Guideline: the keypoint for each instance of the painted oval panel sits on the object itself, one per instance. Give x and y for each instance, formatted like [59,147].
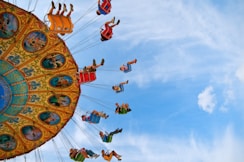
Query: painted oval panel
[34,41]
[31,133]
[8,25]
[61,81]
[7,142]
[50,118]
[59,100]
[53,61]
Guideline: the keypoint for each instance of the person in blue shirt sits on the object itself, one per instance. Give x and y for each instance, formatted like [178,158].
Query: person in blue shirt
[104,8]
[127,68]
[107,137]
[119,88]
[94,117]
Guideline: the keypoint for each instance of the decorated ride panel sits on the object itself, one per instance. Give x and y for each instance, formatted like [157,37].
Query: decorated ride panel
[38,84]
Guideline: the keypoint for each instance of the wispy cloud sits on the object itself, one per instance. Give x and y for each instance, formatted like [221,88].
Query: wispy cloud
[177,30]
[225,147]
[170,21]
[240,73]
[181,40]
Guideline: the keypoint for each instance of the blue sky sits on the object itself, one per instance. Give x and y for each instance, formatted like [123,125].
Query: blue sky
[186,90]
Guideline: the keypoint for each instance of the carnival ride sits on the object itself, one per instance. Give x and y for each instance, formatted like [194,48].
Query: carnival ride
[39,88]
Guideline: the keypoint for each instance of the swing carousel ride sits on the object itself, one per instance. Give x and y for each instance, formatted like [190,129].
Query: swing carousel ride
[39,89]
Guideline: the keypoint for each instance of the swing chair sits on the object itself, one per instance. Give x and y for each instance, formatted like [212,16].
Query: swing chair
[60,24]
[82,153]
[110,138]
[106,33]
[86,77]
[95,119]
[77,156]
[104,8]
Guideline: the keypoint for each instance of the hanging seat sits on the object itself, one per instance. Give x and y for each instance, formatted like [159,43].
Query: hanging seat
[78,157]
[107,33]
[106,6]
[86,77]
[95,119]
[60,24]
[110,137]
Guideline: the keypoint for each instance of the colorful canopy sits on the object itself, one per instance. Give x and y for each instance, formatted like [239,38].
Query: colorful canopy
[38,85]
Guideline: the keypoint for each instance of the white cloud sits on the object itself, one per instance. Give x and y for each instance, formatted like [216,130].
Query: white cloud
[178,28]
[229,96]
[224,147]
[240,73]
[207,100]
[170,21]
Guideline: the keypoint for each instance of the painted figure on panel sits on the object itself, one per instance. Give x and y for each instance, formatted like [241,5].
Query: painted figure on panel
[7,142]
[50,118]
[34,41]
[53,61]
[8,25]
[61,81]
[31,133]
[59,100]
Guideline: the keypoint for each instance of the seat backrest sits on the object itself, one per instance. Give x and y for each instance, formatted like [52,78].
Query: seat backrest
[121,88]
[60,24]
[107,33]
[106,6]
[79,157]
[94,118]
[86,77]
[110,137]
